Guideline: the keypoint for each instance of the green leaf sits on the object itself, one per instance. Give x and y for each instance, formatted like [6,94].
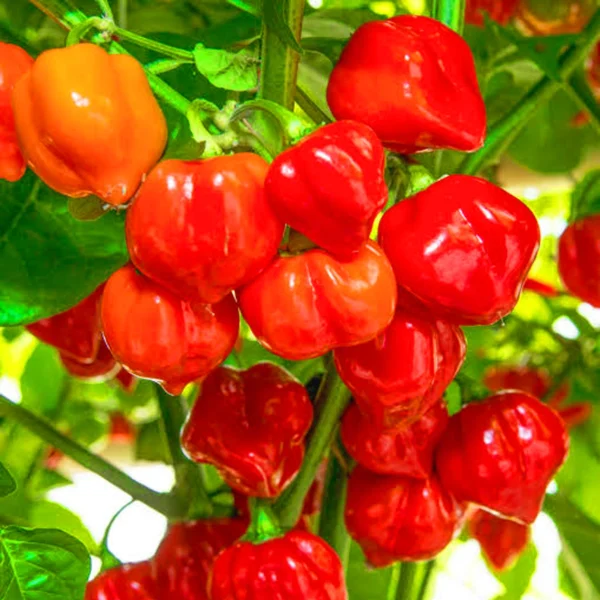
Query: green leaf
[50,261]
[7,483]
[43,380]
[313,76]
[40,564]
[150,443]
[237,71]
[516,580]
[366,583]
[272,12]
[580,538]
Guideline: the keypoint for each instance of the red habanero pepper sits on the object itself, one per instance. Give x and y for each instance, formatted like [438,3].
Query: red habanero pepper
[185,557]
[157,336]
[104,367]
[121,429]
[401,450]
[126,381]
[500,11]
[400,374]
[75,333]
[399,518]
[502,541]
[513,377]
[87,122]
[251,426]
[463,246]
[331,186]
[413,80]
[579,259]
[296,566]
[502,453]
[14,63]
[303,306]
[539,287]
[125,582]
[203,228]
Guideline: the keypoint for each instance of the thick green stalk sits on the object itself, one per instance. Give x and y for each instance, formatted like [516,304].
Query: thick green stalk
[506,129]
[426,578]
[409,580]
[450,12]
[279,62]
[331,402]
[188,479]
[331,522]
[162,503]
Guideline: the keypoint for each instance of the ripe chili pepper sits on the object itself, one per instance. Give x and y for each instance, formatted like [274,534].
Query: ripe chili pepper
[579,259]
[401,450]
[513,377]
[126,381]
[413,80]
[501,11]
[155,335]
[539,287]
[502,453]
[88,123]
[76,332]
[502,541]
[121,429]
[203,228]
[399,518]
[14,63]
[296,566]
[303,306]
[463,246]
[400,374]
[251,426]
[104,367]
[331,186]
[540,17]
[185,557]
[125,582]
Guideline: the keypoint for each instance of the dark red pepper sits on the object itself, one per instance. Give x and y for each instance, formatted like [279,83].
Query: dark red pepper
[502,453]
[185,557]
[399,518]
[203,228]
[251,426]
[513,377]
[14,63]
[501,11]
[296,566]
[400,374]
[413,80]
[579,259]
[463,246]
[121,429]
[401,450]
[76,332]
[303,306]
[155,335]
[126,582]
[330,186]
[104,367]
[502,541]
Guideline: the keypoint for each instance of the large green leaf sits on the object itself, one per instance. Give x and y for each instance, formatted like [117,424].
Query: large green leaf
[48,260]
[237,71]
[42,564]
[7,483]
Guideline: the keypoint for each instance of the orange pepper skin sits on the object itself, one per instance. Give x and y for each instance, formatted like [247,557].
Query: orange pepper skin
[14,63]
[87,122]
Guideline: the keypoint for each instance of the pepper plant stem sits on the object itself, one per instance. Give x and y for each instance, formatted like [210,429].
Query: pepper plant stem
[331,402]
[165,504]
[331,523]
[450,13]
[409,578]
[508,127]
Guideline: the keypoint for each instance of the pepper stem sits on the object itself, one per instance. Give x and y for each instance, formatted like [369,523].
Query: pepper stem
[263,524]
[450,13]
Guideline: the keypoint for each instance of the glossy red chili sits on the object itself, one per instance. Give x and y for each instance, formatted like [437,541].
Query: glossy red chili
[463,246]
[413,80]
[331,186]
[126,381]
[401,450]
[501,11]
[126,582]
[502,453]
[539,287]
[185,557]
[399,518]
[397,376]
[203,228]
[502,541]
[513,377]
[296,566]
[579,259]
[76,332]
[251,426]
[155,335]
[14,63]
[104,367]
[303,306]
